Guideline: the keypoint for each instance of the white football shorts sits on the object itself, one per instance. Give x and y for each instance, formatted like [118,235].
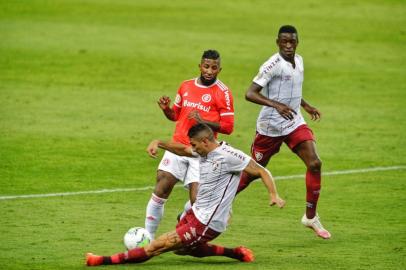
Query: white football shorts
[185,169]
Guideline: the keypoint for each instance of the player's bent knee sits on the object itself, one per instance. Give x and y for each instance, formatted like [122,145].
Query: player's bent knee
[315,165]
[164,185]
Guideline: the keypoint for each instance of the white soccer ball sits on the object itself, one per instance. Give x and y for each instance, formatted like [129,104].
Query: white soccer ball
[136,237]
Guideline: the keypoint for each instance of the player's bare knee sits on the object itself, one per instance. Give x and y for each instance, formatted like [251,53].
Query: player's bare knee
[315,165]
[164,185]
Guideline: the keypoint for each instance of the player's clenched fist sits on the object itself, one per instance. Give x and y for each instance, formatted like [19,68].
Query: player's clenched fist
[164,102]
[152,149]
[276,200]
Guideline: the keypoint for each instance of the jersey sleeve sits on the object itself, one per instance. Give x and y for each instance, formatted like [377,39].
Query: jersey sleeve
[177,105]
[237,160]
[225,107]
[267,71]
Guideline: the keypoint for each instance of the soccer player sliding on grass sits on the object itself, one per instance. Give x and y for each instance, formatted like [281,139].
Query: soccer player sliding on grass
[220,169]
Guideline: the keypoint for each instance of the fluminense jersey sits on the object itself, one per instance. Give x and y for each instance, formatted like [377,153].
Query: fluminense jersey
[213,102]
[220,174]
[283,83]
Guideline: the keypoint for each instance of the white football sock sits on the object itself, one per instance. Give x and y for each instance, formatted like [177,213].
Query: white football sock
[155,211]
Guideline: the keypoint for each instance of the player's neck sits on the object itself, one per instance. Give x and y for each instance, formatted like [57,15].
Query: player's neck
[202,81]
[210,148]
[213,146]
[289,59]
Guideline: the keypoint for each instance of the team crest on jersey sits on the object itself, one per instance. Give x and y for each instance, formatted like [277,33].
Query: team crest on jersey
[215,165]
[206,98]
[258,156]
[166,162]
[177,99]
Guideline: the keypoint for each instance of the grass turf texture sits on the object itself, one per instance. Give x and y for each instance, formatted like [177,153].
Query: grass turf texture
[79,84]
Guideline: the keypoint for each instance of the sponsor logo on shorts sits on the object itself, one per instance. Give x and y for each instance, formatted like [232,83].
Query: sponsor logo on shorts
[166,162]
[258,156]
[193,231]
[206,98]
[187,236]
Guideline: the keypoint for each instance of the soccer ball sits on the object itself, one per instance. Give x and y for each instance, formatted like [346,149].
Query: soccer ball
[136,237]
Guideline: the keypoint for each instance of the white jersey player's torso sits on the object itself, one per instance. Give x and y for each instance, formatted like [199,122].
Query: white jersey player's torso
[283,83]
[220,172]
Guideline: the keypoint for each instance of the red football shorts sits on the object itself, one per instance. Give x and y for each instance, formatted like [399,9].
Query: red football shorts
[193,232]
[264,147]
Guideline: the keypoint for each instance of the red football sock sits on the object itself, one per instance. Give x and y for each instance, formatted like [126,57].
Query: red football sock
[313,185]
[206,250]
[135,255]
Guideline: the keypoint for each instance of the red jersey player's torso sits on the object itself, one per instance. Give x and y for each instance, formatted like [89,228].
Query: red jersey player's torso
[209,101]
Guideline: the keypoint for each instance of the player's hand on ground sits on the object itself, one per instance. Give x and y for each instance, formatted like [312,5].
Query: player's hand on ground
[152,149]
[196,116]
[276,200]
[314,113]
[164,102]
[285,111]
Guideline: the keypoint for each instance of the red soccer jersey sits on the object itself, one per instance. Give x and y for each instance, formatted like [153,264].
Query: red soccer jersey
[214,103]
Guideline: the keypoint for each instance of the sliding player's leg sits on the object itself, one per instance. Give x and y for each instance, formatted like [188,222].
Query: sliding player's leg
[167,242]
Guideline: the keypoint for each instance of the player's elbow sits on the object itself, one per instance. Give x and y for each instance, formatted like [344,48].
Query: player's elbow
[227,129]
[249,96]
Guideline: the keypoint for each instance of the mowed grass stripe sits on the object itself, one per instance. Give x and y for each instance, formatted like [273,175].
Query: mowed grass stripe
[286,177]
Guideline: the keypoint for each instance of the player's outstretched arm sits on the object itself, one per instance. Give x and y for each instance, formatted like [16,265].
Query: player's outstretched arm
[314,113]
[176,148]
[253,168]
[253,94]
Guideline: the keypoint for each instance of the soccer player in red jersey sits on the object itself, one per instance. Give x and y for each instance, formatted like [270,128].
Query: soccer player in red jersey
[204,99]
[220,169]
[278,87]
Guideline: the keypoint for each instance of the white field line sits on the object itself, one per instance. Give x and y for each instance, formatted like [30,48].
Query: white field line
[286,177]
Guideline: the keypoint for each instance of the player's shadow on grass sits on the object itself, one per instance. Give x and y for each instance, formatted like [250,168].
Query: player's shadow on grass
[174,263]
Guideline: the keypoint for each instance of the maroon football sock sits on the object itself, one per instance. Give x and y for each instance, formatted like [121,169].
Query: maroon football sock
[313,180]
[245,180]
[206,250]
[135,255]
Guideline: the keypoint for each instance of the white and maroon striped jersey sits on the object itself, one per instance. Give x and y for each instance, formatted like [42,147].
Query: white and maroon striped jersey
[220,174]
[283,83]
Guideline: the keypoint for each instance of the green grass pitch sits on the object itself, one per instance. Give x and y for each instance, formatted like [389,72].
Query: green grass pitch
[79,82]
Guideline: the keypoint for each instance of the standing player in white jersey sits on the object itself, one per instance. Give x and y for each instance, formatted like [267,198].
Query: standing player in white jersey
[280,79]
[220,169]
[200,100]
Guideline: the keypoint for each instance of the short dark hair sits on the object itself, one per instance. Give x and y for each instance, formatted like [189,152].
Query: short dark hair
[211,54]
[197,130]
[287,29]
